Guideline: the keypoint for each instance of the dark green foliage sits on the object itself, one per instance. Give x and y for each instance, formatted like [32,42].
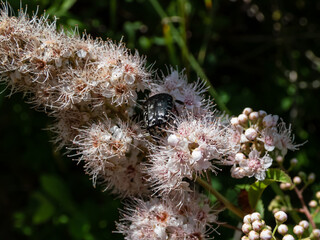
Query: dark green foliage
[44,195]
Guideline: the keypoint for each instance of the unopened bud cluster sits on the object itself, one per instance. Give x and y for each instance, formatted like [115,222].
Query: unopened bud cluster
[254,228]
[259,135]
[301,178]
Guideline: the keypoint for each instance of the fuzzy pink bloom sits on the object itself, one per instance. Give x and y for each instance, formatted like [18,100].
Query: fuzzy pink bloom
[109,152]
[286,139]
[161,219]
[191,149]
[255,165]
[269,136]
[80,81]
[189,95]
[64,72]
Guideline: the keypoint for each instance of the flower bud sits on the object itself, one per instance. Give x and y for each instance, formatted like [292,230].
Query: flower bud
[240,157]
[279,159]
[262,113]
[247,218]
[266,234]
[293,162]
[246,228]
[280,216]
[238,172]
[254,116]
[304,224]
[283,229]
[251,134]
[253,235]
[275,119]
[297,180]
[274,211]
[311,177]
[234,121]
[283,186]
[247,111]
[257,226]
[313,203]
[245,238]
[255,216]
[303,175]
[288,237]
[268,227]
[243,119]
[268,121]
[318,195]
[173,140]
[243,139]
[196,155]
[298,230]
[316,233]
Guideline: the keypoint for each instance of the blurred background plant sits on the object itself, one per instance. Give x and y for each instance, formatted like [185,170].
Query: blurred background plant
[262,54]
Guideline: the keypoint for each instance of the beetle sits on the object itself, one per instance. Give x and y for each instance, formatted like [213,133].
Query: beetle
[159,111]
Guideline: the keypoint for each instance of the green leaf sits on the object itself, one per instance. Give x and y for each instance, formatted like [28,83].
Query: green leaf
[243,186]
[316,218]
[56,188]
[257,188]
[260,208]
[44,211]
[79,226]
[277,175]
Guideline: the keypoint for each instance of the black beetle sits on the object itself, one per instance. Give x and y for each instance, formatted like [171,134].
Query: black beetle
[159,111]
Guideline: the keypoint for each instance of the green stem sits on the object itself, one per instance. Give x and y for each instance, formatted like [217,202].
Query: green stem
[274,231]
[221,198]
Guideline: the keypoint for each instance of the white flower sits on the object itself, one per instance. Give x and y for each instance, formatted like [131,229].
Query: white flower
[255,165]
[270,137]
[268,121]
[286,139]
[251,134]
[192,148]
[188,95]
[161,219]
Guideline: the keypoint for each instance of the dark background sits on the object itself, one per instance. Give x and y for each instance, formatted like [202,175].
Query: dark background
[262,54]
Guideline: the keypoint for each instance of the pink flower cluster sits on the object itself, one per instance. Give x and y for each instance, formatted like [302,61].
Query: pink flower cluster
[193,148]
[90,87]
[160,219]
[259,136]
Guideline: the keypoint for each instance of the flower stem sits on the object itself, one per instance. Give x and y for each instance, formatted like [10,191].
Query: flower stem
[221,198]
[304,207]
[274,231]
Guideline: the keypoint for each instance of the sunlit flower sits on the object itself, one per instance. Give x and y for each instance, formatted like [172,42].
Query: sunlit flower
[269,136]
[188,96]
[161,219]
[286,139]
[255,165]
[192,148]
